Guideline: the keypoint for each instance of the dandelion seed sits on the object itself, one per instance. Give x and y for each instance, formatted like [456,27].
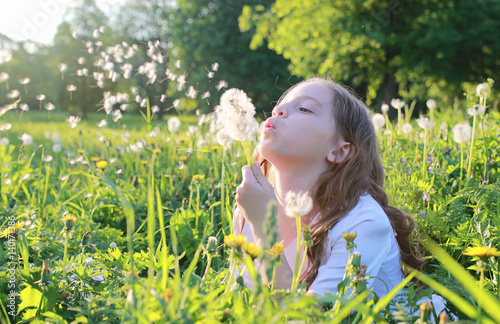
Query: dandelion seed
[397,103]
[163,98]
[177,64]
[117,115]
[4,127]
[50,106]
[192,93]
[73,121]
[181,82]
[215,66]
[176,103]
[24,107]
[431,104]
[102,123]
[299,203]
[221,84]
[210,75]
[205,95]
[62,67]
[173,124]
[13,94]
[4,77]
[47,158]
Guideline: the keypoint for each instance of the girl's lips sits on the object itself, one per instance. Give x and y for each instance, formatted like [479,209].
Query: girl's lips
[269,124]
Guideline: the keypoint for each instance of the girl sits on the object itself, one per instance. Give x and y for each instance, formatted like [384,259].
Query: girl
[320,139]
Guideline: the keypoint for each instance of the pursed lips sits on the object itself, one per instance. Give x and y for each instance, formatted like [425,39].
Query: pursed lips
[269,124]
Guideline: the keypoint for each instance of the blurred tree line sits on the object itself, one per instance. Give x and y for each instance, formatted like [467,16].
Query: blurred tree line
[179,56]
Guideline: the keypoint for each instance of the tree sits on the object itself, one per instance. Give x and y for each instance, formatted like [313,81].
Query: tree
[207,31]
[380,47]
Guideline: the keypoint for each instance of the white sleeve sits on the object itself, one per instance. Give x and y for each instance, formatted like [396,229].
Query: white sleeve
[373,242]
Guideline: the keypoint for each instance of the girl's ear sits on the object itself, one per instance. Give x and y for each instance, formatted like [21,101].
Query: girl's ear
[345,151]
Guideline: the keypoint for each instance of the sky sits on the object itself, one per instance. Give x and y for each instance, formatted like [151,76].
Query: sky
[36,20]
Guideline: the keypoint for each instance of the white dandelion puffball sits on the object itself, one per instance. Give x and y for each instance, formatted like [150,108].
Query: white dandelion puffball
[299,203]
[385,108]
[407,128]
[27,139]
[431,103]
[223,138]
[173,124]
[425,123]
[235,114]
[482,90]
[397,103]
[475,110]
[378,120]
[462,133]
[112,245]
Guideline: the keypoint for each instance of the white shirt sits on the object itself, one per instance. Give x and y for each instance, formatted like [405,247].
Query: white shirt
[375,241]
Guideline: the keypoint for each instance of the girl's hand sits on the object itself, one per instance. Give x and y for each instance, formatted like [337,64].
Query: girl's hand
[253,195]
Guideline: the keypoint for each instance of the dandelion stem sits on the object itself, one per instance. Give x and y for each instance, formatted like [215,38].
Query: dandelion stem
[297,258]
[274,277]
[209,262]
[303,260]
[246,150]
[469,168]
[461,162]
[424,156]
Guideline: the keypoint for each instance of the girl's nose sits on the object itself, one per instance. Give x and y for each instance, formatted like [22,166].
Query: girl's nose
[279,110]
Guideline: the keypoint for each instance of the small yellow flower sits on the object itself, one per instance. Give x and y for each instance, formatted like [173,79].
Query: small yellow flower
[144,162]
[101,164]
[8,231]
[184,139]
[80,151]
[156,151]
[482,251]
[215,148]
[349,236]
[183,158]
[276,250]
[235,240]
[251,249]
[69,217]
[197,177]
[95,159]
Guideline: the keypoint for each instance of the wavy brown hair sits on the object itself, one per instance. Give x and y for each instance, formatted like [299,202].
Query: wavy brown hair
[338,189]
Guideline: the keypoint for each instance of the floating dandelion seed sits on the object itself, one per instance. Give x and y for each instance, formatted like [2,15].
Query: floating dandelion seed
[71,88]
[40,98]
[4,127]
[50,106]
[57,147]
[117,115]
[397,103]
[297,203]
[81,60]
[210,75]
[173,124]
[73,121]
[181,82]
[14,93]
[24,82]
[221,84]
[47,158]
[155,109]
[205,95]
[177,64]
[62,67]
[215,66]
[163,98]
[176,103]
[102,123]
[192,93]
[3,78]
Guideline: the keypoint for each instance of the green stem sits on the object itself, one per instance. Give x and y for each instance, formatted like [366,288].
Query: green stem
[246,150]
[231,276]
[222,197]
[274,277]
[209,262]
[303,260]
[461,162]
[469,168]
[296,273]
[424,156]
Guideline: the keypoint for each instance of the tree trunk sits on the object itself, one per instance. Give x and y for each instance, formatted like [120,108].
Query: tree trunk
[389,91]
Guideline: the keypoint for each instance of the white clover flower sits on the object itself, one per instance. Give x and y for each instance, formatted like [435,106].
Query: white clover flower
[482,90]
[425,123]
[299,203]
[476,110]
[173,124]
[407,128]
[397,103]
[27,139]
[431,104]
[462,133]
[385,108]
[378,120]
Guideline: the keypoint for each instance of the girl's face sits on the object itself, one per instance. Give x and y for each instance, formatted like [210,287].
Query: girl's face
[301,128]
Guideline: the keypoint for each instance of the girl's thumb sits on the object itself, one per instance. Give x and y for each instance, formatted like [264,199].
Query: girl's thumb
[257,172]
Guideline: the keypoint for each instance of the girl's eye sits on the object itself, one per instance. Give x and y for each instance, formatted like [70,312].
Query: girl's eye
[304,109]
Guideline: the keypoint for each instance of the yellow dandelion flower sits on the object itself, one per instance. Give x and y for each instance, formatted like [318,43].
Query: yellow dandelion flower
[183,158]
[144,162]
[12,230]
[251,249]
[215,148]
[101,164]
[276,250]
[184,139]
[80,151]
[197,177]
[95,159]
[482,251]
[235,240]
[156,151]
[349,236]
[69,217]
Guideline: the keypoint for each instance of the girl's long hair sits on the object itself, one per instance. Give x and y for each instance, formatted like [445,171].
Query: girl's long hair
[338,189]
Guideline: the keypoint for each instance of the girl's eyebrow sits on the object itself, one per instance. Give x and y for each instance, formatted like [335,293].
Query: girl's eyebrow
[318,104]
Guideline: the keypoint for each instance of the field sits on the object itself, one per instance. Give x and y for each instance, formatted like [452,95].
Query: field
[112,224]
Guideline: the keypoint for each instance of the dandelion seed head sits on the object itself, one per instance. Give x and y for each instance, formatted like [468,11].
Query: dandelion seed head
[385,108]
[483,90]
[173,124]
[378,120]
[462,133]
[425,123]
[407,128]
[431,104]
[476,110]
[297,203]
[27,139]
[397,103]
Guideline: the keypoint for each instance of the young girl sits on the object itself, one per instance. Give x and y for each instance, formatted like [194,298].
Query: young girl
[320,139]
